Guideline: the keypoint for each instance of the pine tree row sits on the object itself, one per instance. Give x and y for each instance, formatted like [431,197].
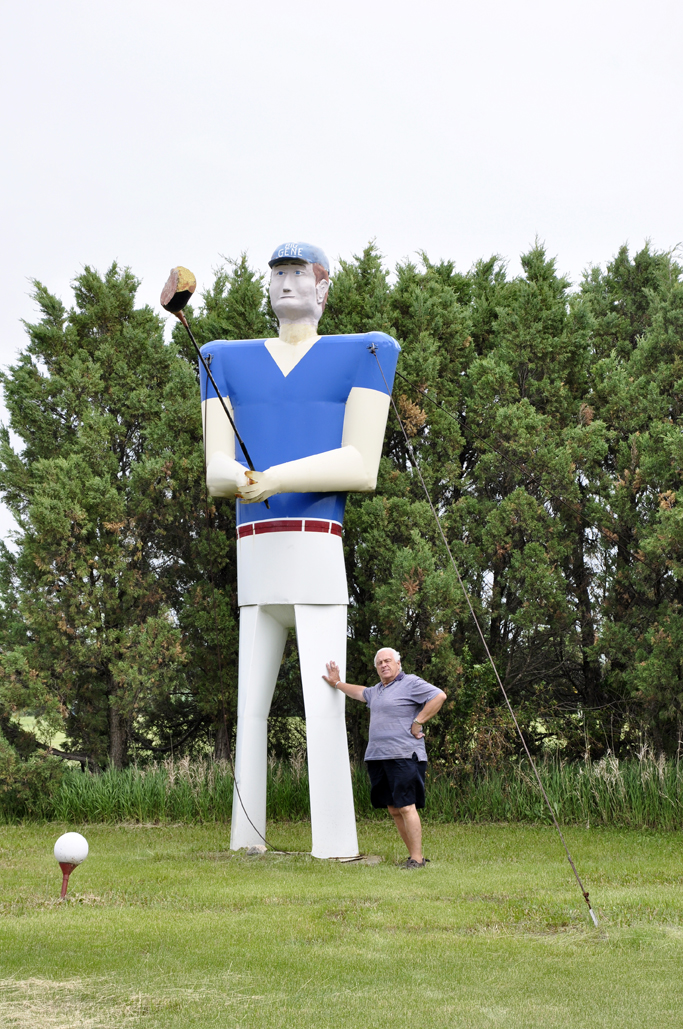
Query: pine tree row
[545,419]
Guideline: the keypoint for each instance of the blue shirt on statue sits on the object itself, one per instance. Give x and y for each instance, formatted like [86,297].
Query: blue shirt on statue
[283,418]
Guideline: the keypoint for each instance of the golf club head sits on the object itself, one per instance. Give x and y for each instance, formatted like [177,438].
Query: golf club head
[179,288]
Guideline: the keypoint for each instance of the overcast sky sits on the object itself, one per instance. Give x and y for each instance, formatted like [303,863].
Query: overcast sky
[161,133]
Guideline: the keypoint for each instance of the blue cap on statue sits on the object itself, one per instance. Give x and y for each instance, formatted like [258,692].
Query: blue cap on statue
[299,252]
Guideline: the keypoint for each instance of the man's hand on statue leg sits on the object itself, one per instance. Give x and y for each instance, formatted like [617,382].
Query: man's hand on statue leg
[334,679]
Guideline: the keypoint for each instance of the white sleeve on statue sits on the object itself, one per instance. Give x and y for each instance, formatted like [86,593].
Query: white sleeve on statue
[365,422]
[224,475]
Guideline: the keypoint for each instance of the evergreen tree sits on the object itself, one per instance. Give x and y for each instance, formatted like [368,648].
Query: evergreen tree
[636,380]
[545,423]
[107,417]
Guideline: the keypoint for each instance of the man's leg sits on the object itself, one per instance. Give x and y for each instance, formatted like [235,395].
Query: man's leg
[399,823]
[262,642]
[321,637]
[408,823]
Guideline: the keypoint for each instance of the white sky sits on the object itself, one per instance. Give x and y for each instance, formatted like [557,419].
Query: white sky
[161,133]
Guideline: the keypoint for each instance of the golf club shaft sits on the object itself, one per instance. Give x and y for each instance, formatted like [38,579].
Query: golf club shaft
[181,316]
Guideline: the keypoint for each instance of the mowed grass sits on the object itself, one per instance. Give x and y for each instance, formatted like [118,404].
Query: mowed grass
[167,928]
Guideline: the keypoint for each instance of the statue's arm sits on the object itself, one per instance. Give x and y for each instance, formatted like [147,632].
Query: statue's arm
[365,422]
[224,475]
[352,467]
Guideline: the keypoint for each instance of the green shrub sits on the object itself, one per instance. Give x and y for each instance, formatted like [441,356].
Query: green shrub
[28,788]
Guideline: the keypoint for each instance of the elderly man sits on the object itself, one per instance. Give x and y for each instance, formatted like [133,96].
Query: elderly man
[312,409]
[396,757]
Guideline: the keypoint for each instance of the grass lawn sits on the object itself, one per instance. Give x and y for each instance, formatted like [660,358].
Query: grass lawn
[28,722]
[167,928]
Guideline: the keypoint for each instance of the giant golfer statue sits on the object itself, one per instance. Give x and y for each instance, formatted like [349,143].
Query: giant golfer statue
[312,411]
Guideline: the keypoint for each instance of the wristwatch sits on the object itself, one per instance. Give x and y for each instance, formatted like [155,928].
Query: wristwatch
[415,722]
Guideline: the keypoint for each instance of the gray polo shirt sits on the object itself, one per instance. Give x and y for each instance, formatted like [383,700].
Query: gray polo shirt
[392,710]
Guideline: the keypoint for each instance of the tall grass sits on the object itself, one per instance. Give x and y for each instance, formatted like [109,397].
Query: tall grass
[174,791]
[643,792]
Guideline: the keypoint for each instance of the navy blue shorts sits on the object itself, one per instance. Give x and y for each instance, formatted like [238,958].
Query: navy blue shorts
[398,781]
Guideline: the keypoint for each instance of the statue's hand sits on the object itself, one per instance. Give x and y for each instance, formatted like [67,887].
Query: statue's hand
[225,476]
[259,486]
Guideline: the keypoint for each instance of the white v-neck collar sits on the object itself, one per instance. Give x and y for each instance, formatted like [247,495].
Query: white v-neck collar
[288,355]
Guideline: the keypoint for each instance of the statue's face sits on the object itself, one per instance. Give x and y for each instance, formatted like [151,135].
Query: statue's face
[294,294]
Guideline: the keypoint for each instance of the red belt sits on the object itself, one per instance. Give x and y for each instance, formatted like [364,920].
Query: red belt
[289,525]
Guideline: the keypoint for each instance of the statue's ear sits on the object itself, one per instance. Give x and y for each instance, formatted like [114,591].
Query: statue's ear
[321,289]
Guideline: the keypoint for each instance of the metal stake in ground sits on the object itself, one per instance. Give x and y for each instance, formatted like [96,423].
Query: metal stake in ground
[71,850]
[175,295]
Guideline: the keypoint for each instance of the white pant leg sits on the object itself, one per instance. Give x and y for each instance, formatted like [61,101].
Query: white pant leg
[321,637]
[262,643]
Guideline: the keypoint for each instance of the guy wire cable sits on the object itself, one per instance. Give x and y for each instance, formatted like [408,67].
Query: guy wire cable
[609,534]
[373,350]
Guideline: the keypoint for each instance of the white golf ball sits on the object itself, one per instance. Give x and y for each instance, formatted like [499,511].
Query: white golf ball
[71,847]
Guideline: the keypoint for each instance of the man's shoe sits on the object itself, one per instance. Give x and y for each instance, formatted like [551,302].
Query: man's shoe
[412,863]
